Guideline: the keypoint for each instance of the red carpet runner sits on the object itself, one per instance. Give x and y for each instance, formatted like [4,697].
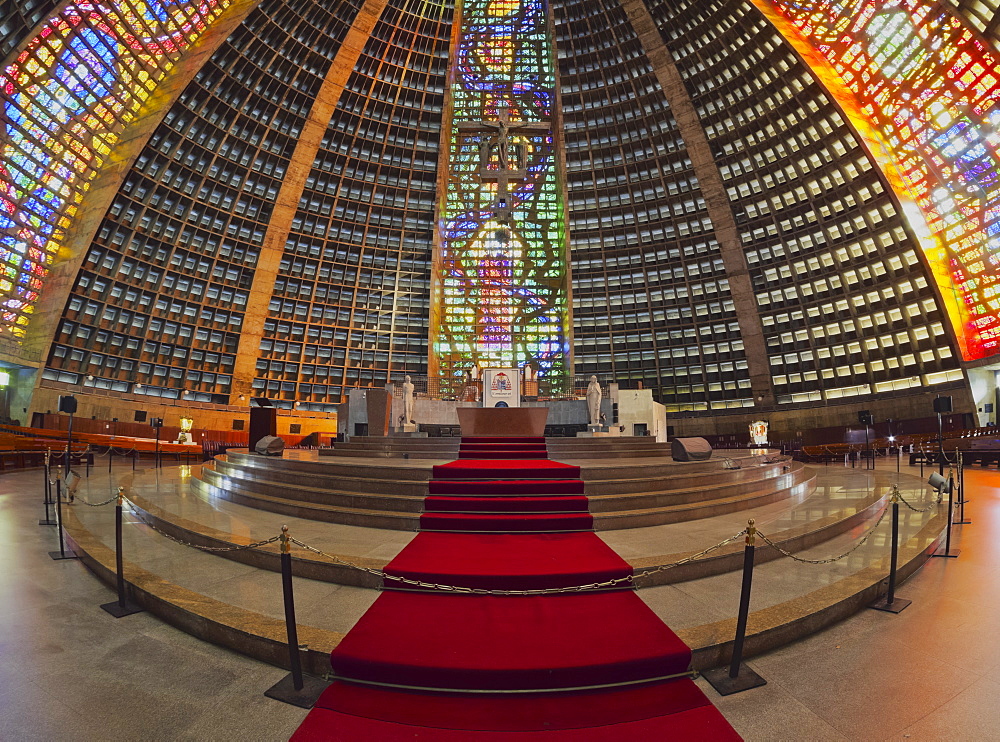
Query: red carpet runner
[430,665]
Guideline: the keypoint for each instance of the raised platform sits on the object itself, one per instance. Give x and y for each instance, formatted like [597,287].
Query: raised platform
[236,602]
[389,492]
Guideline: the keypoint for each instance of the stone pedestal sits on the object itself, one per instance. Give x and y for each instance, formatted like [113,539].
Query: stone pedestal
[407,428]
[597,429]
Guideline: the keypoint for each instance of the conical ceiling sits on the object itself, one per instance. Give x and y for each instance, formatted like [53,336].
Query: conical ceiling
[733,240]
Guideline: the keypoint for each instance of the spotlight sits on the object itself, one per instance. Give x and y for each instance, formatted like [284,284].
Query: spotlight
[939,483]
[892,439]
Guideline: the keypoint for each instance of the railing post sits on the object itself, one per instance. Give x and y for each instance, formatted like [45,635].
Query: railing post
[738,677]
[295,688]
[123,606]
[889,602]
[61,554]
[948,551]
[49,521]
[961,491]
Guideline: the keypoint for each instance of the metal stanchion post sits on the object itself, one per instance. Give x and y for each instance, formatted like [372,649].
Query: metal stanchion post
[49,521]
[948,551]
[890,603]
[295,688]
[133,459]
[738,677]
[61,554]
[111,455]
[123,606]
[961,491]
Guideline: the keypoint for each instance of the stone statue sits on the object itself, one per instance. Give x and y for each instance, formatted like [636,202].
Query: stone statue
[407,400]
[594,401]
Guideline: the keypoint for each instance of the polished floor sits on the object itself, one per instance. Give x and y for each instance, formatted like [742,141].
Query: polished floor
[71,671]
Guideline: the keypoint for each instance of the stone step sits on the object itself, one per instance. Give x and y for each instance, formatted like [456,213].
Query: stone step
[355,516]
[246,484]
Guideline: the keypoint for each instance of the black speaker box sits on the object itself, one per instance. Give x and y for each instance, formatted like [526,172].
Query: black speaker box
[865,417]
[67,403]
[941,404]
[690,449]
[269,445]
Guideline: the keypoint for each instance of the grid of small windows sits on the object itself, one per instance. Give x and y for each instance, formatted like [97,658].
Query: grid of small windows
[351,301]
[160,298]
[982,15]
[844,300]
[18,18]
[68,96]
[651,301]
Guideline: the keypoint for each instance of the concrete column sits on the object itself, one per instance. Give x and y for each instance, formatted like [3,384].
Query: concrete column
[292,186]
[716,201]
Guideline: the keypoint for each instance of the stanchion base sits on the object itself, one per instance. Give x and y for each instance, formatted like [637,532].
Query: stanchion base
[950,555]
[895,606]
[48,522]
[68,555]
[726,686]
[117,610]
[284,690]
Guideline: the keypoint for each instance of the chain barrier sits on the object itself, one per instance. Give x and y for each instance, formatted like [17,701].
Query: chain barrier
[614,582]
[138,513]
[850,551]
[90,504]
[915,510]
[94,450]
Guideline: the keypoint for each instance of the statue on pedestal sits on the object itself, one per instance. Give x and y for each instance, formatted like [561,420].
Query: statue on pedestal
[407,401]
[594,401]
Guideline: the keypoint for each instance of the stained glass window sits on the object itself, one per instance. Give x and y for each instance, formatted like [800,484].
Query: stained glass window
[500,296]
[929,88]
[66,99]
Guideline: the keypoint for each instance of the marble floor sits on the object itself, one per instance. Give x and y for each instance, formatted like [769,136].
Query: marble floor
[71,671]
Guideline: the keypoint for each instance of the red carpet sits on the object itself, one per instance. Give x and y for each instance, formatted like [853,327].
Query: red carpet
[498,504]
[509,469]
[353,713]
[541,560]
[434,665]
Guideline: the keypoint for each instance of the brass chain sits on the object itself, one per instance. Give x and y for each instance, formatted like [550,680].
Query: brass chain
[614,582]
[915,510]
[90,504]
[110,449]
[138,514]
[850,551]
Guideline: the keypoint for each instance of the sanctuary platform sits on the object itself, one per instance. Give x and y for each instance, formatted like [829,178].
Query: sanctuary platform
[652,520]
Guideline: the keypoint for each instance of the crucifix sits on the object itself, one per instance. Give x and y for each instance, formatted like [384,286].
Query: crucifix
[500,158]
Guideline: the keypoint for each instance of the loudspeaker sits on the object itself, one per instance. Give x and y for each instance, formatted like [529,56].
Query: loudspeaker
[941,404]
[865,417]
[270,445]
[156,422]
[690,449]
[67,403]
